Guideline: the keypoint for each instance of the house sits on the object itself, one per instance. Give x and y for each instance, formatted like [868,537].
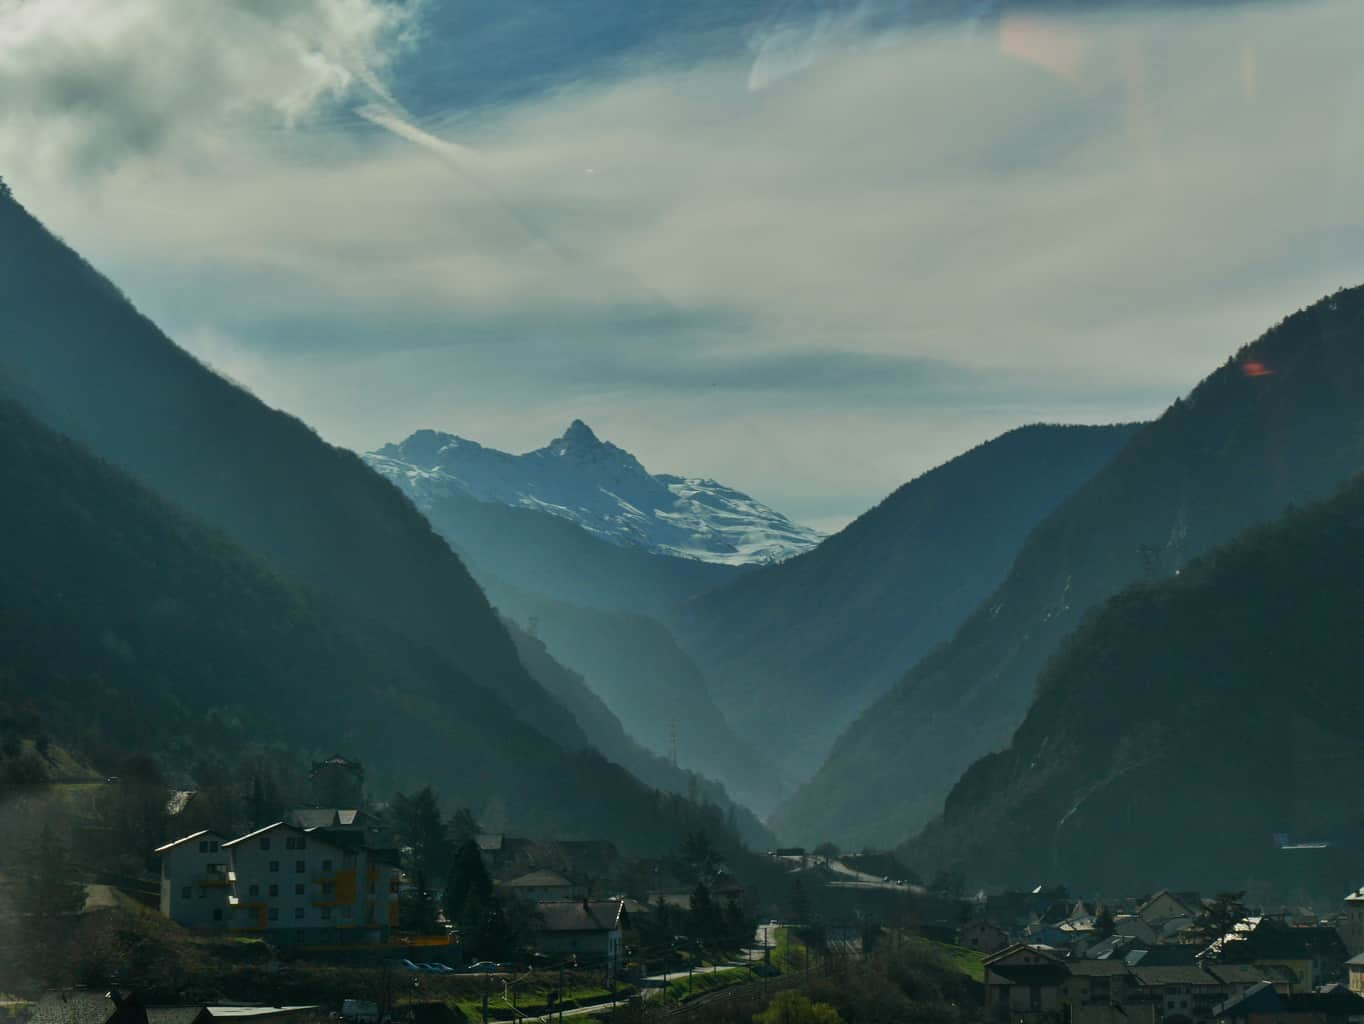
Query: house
[195,882]
[1166,906]
[544,885]
[1023,983]
[1264,1004]
[586,932]
[300,885]
[1179,992]
[1102,992]
[1352,928]
[1312,955]
[1354,968]
[983,937]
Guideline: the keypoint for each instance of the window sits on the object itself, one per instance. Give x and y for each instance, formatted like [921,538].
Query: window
[298,889]
[265,842]
[346,911]
[328,888]
[302,843]
[213,846]
[326,865]
[326,913]
[217,913]
[274,890]
[186,892]
[300,866]
[274,865]
[298,913]
[254,890]
[203,893]
[274,914]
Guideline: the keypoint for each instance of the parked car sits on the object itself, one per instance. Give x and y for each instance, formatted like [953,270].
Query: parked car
[482,967]
[440,968]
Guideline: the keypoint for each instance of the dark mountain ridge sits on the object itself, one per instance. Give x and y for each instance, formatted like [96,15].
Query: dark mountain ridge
[1282,421]
[823,634]
[94,368]
[134,628]
[1217,706]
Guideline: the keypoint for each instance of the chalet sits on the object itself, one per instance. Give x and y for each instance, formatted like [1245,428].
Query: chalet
[1166,907]
[1023,984]
[586,932]
[1264,1004]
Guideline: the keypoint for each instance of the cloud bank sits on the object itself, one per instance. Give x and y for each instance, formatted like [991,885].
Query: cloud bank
[813,290]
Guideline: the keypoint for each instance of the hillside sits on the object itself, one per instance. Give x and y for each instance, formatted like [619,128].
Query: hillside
[649,683]
[1215,709]
[822,635]
[127,626]
[1280,422]
[610,738]
[91,366]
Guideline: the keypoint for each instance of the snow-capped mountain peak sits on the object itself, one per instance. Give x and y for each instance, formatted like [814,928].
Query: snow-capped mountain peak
[602,488]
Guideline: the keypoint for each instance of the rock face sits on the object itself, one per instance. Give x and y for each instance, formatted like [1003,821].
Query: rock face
[601,488]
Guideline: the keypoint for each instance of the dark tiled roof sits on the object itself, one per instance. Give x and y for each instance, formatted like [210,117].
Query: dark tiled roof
[78,1007]
[1097,968]
[1174,974]
[540,880]
[1031,974]
[581,915]
[1242,974]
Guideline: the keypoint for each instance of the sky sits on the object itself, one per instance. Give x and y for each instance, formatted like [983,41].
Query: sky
[811,263]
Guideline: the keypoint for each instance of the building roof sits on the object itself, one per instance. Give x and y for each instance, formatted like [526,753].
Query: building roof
[189,839]
[1173,974]
[582,915]
[1188,900]
[71,1007]
[1356,961]
[324,817]
[1097,968]
[312,833]
[540,880]
[1259,998]
[1031,974]
[1242,974]
[252,1012]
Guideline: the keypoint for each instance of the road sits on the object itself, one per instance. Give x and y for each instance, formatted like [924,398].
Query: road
[653,985]
[861,880]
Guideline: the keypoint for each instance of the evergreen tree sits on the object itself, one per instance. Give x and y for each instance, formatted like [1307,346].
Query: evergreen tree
[468,884]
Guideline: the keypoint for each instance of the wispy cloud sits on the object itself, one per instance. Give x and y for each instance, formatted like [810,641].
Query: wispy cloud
[817,287]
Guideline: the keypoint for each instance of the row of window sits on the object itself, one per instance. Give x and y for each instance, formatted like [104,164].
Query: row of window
[328,889]
[300,866]
[273,913]
[290,843]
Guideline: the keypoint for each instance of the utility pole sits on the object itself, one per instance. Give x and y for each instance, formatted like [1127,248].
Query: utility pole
[561,992]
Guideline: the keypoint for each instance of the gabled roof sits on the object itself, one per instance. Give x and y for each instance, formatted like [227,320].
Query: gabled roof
[189,839]
[1173,974]
[1097,968]
[281,825]
[1259,998]
[1243,974]
[581,915]
[1356,961]
[1020,947]
[540,880]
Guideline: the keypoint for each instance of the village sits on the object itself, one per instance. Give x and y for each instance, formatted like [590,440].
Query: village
[346,909]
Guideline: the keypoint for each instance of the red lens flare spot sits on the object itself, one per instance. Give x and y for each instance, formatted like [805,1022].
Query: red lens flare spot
[1256,369]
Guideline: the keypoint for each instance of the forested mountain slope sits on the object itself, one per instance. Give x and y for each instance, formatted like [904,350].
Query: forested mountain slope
[131,627]
[660,696]
[545,554]
[822,635]
[610,738]
[93,367]
[1187,723]
[1280,422]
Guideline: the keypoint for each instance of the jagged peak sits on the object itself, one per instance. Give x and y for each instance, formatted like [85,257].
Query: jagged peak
[578,435]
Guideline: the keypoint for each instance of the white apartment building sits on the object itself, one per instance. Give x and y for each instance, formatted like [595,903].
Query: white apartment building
[299,886]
